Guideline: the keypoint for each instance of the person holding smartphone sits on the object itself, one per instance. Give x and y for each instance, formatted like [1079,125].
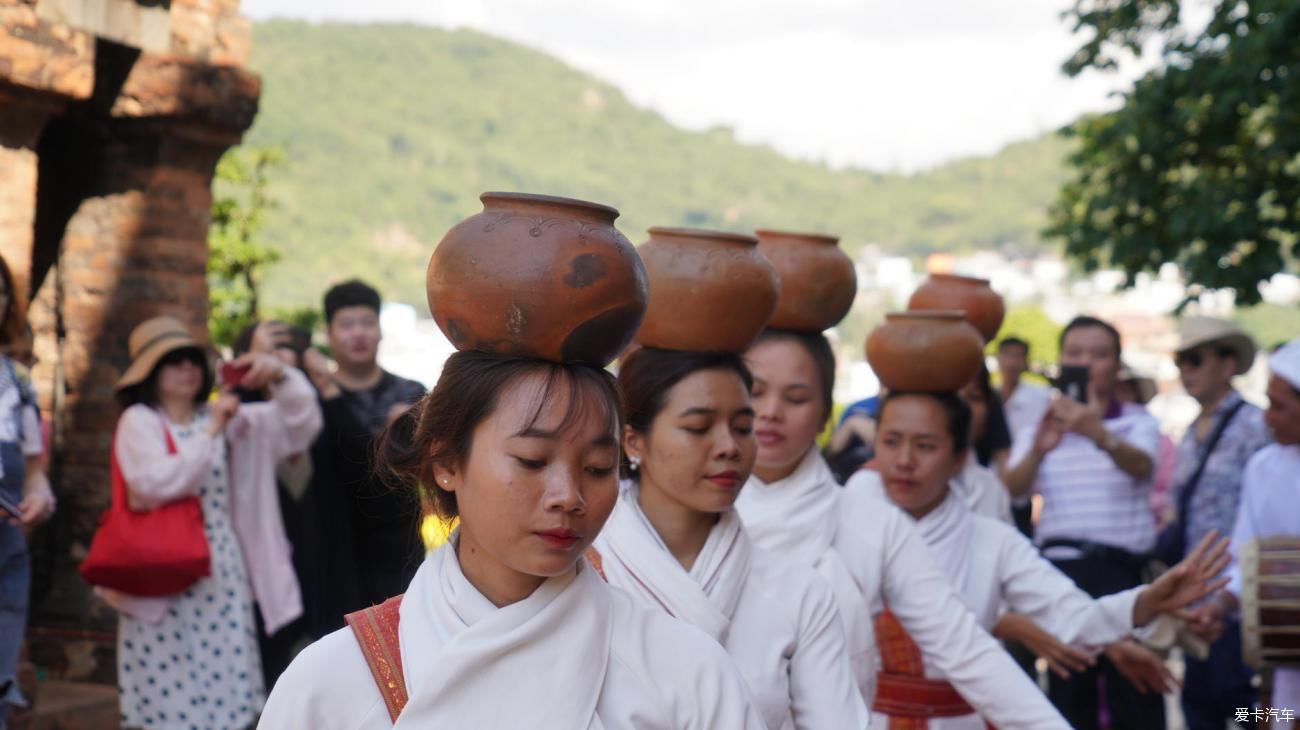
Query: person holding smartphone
[1091,458]
[25,496]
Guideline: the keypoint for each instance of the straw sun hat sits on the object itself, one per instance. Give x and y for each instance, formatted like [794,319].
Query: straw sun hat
[150,342]
[1194,332]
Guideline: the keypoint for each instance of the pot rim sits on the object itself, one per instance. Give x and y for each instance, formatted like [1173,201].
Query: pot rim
[704,234]
[591,206]
[942,314]
[960,277]
[806,236]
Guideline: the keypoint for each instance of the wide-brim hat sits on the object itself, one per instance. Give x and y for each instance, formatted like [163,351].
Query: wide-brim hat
[150,342]
[1195,331]
[1144,386]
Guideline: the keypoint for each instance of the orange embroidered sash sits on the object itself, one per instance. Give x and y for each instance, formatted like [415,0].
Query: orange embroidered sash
[902,690]
[376,631]
[593,557]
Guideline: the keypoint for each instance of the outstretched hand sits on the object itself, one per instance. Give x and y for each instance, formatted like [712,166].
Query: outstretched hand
[1192,579]
[1141,667]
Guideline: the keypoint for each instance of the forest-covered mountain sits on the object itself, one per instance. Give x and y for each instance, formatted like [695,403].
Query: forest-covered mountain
[390,132]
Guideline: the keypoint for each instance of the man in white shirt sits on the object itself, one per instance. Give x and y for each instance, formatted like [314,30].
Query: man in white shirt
[1092,463]
[1023,404]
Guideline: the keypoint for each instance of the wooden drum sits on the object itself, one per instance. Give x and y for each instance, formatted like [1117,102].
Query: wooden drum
[1270,602]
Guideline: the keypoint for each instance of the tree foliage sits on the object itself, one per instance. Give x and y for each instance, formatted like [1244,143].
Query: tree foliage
[1201,163]
[1030,323]
[238,257]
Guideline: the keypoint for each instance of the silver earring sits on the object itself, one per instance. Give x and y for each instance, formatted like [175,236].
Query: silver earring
[634,462]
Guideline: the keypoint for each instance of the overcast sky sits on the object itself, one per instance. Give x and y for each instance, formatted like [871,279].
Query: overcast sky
[883,84]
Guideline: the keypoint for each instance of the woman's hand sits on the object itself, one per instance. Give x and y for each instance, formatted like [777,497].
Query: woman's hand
[1141,667]
[1189,581]
[221,411]
[1061,658]
[268,336]
[37,506]
[263,369]
[319,369]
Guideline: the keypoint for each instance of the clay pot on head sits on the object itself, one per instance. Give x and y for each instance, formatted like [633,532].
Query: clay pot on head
[709,291]
[818,281]
[538,276]
[925,351]
[983,307]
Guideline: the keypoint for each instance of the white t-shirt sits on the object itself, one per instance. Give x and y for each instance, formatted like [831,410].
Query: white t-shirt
[1026,406]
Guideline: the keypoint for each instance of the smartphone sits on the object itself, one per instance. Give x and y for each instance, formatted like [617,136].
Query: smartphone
[1073,382]
[232,374]
[10,508]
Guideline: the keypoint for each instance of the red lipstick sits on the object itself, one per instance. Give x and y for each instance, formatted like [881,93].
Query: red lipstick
[562,539]
[726,479]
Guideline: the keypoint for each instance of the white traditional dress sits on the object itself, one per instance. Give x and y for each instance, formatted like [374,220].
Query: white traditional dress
[575,654]
[996,569]
[891,567]
[980,488]
[776,618]
[1270,507]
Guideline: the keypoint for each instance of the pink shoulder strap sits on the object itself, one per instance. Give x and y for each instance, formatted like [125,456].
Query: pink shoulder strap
[376,631]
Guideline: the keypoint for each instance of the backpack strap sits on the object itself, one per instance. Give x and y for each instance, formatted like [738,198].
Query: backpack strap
[375,629]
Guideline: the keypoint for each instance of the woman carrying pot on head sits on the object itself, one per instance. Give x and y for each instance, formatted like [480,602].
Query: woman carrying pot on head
[25,490]
[506,625]
[924,437]
[191,659]
[674,541]
[866,547]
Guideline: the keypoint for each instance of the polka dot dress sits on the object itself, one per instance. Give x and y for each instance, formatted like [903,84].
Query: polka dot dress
[199,667]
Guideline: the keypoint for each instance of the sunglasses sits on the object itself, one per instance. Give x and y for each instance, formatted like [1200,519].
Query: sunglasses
[1195,358]
[176,357]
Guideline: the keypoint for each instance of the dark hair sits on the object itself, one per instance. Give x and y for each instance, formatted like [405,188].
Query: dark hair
[1013,342]
[1084,321]
[11,327]
[299,339]
[997,432]
[815,344]
[352,293]
[146,391]
[439,429]
[955,409]
[646,376]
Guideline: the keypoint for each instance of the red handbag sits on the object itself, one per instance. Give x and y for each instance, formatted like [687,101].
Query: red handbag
[155,552]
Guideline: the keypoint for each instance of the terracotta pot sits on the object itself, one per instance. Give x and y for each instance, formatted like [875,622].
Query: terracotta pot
[818,281]
[709,291]
[983,306]
[926,351]
[538,276]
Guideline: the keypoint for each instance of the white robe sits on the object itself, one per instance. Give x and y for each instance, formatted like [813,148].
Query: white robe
[574,654]
[995,569]
[981,490]
[891,566]
[776,618]
[1270,491]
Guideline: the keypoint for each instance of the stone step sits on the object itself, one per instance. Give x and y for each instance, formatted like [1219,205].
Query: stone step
[64,705]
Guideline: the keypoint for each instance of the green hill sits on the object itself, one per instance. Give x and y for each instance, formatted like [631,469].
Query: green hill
[392,131]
